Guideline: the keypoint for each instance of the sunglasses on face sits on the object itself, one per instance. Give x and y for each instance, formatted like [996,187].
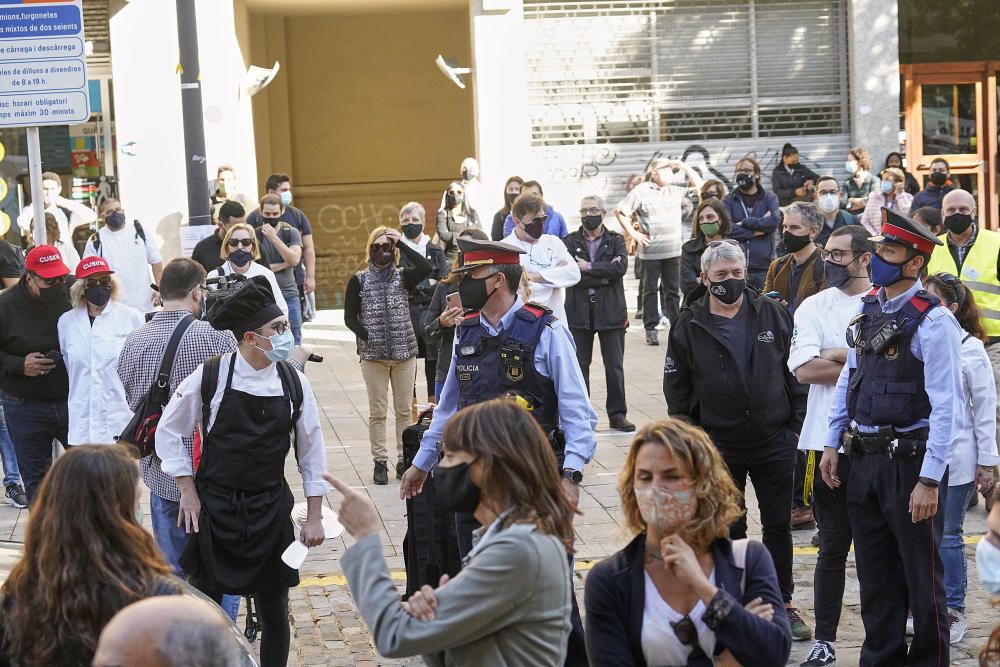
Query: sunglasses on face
[49,282]
[381,247]
[106,282]
[235,243]
[540,220]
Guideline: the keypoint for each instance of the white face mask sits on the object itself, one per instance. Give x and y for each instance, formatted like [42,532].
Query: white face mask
[829,203]
[988,563]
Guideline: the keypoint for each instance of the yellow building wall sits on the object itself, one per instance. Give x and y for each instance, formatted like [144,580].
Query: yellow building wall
[362,120]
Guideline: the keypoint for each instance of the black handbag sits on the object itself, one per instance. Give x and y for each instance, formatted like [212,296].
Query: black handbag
[141,430]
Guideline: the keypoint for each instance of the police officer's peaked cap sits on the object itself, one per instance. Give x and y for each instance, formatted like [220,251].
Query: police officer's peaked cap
[901,230]
[249,307]
[476,253]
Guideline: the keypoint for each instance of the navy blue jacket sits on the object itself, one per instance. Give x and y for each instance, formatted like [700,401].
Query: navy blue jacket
[754,213]
[932,195]
[614,598]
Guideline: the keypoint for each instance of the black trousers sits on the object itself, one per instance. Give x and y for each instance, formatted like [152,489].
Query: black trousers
[798,489]
[830,509]
[613,353]
[770,469]
[275,634]
[898,564]
[655,272]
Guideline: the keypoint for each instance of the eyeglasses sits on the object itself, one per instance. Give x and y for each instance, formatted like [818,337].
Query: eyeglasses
[235,243]
[381,247]
[539,220]
[540,257]
[106,282]
[838,256]
[411,221]
[278,327]
[593,210]
[687,634]
[745,171]
[716,244]
[49,282]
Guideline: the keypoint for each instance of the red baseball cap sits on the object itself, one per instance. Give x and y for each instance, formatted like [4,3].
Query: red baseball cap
[46,262]
[88,266]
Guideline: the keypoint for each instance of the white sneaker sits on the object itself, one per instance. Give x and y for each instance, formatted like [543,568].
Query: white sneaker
[663,325]
[909,624]
[957,626]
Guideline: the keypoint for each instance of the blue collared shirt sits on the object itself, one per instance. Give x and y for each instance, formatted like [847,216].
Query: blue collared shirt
[939,332]
[555,358]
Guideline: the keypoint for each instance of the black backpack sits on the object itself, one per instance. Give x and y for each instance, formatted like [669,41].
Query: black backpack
[210,382]
[141,430]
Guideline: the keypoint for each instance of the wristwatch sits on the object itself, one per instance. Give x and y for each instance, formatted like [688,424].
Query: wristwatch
[574,476]
[927,481]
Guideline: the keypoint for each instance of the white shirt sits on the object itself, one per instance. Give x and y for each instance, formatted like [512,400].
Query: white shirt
[129,258]
[548,257]
[976,443]
[80,214]
[254,270]
[660,645]
[820,324]
[183,413]
[69,254]
[98,410]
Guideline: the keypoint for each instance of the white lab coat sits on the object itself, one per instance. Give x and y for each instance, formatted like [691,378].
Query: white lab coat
[98,410]
[549,258]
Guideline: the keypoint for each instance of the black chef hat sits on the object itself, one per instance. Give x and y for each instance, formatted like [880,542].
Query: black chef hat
[250,307]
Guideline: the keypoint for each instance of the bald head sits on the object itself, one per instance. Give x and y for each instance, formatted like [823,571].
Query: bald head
[167,631]
[958,201]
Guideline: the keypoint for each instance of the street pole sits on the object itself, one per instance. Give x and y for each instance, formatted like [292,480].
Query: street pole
[35,177]
[199,204]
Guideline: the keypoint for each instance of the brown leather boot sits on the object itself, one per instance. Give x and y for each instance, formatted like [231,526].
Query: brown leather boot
[802,519]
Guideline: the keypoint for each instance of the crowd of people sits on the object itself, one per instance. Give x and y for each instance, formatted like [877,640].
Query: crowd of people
[837,341]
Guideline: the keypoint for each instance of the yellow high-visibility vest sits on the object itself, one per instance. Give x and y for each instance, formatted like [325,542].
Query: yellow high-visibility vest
[979,274]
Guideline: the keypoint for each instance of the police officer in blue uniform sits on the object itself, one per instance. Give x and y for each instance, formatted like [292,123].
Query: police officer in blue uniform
[506,348]
[899,403]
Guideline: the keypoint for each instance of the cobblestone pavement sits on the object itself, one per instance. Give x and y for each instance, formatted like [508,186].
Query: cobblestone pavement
[328,629]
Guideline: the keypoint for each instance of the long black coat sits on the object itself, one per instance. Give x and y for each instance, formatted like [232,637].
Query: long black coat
[605,276]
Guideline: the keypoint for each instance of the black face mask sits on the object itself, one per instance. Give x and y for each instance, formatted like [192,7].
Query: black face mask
[510,197]
[535,229]
[99,295]
[938,178]
[380,257]
[455,489]
[413,231]
[837,275]
[52,295]
[745,181]
[240,258]
[472,292]
[115,220]
[727,291]
[592,222]
[793,242]
[957,223]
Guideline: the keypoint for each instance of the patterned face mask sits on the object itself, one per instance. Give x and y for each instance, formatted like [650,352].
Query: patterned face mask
[665,509]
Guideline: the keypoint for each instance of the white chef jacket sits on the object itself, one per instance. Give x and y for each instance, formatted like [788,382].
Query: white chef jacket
[98,410]
[549,257]
[254,270]
[183,413]
[976,443]
[129,258]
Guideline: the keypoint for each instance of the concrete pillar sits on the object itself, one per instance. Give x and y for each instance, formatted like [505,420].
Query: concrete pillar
[500,90]
[873,57]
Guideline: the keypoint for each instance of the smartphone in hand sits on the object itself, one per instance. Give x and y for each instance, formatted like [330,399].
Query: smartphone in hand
[453,300]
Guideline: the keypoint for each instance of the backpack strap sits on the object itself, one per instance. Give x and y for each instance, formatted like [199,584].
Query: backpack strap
[293,389]
[209,384]
[95,240]
[140,233]
[167,363]
[740,560]
[818,274]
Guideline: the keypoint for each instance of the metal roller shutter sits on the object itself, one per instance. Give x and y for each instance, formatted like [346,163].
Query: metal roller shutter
[97,30]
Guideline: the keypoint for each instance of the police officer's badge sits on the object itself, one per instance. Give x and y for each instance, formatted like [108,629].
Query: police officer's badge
[513,365]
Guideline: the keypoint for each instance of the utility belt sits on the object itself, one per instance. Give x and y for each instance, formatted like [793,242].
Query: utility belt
[887,442]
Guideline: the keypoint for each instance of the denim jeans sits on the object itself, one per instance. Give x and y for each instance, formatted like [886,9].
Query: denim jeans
[33,425]
[11,473]
[295,316]
[172,539]
[952,547]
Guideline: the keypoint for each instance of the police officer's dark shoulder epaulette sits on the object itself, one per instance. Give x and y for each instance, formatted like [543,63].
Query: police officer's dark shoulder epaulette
[539,311]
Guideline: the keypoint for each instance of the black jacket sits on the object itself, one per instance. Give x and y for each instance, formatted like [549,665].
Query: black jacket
[701,381]
[691,253]
[29,325]
[605,277]
[615,595]
[436,336]
[784,184]
[422,293]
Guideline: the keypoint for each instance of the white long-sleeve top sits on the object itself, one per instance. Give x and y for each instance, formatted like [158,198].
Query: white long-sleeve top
[976,443]
[549,258]
[183,413]
[98,410]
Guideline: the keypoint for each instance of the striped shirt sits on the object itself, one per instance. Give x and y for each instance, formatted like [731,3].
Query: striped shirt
[658,212]
[139,362]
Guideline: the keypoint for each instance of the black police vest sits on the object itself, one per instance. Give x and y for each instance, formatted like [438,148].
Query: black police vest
[887,388]
[489,367]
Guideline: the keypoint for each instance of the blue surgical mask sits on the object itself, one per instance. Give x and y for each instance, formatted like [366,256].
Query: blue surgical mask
[850,167]
[281,346]
[988,563]
[888,186]
[286,197]
[885,273]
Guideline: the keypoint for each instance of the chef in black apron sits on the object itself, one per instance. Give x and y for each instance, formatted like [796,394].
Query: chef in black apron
[239,503]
